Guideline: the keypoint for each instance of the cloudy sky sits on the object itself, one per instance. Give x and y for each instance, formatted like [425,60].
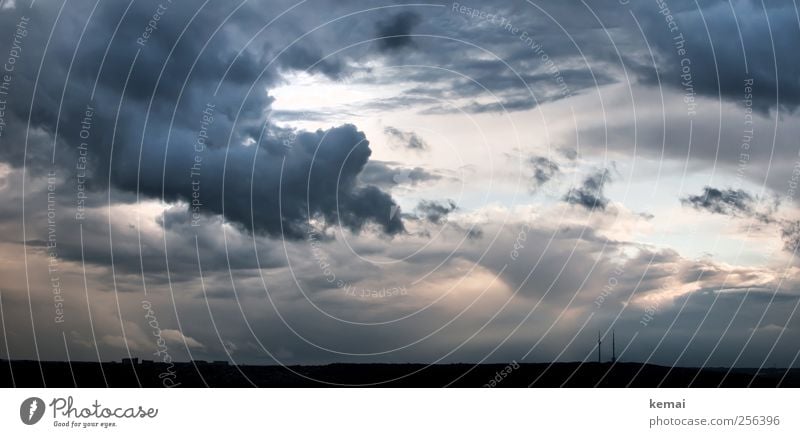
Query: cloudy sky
[378,181]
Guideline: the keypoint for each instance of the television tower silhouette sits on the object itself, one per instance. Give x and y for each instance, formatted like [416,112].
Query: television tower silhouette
[599,348]
[613,347]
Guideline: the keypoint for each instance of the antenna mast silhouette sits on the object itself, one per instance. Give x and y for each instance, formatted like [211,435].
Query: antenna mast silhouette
[599,348]
[613,347]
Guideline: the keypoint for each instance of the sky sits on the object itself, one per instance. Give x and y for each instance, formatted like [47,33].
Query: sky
[281,182]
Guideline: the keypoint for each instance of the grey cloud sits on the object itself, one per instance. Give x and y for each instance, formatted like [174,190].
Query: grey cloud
[570,154]
[725,201]
[480,108]
[305,115]
[590,194]
[512,91]
[434,211]
[389,174]
[739,203]
[408,140]
[791,236]
[544,169]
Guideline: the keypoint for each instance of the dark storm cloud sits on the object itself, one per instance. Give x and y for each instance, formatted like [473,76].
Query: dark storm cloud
[544,169]
[756,43]
[408,140]
[395,31]
[139,147]
[724,42]
[141,85]
[304,58]
[320,166]
[276,195]
[590,194]
[434,211]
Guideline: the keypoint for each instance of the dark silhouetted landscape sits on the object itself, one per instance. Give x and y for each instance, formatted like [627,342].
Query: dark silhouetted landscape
[222,374]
